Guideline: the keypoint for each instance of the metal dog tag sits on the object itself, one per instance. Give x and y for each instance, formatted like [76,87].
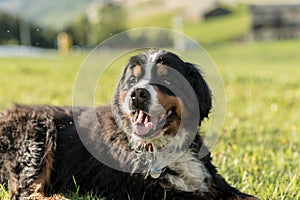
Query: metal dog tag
[155,174]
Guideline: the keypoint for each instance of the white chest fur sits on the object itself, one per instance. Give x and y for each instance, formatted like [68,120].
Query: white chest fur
[192,174]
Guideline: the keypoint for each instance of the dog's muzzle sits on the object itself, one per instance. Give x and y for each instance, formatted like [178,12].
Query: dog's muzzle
[146,123]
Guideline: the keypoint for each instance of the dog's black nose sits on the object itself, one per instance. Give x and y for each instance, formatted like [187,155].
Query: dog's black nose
[140,99]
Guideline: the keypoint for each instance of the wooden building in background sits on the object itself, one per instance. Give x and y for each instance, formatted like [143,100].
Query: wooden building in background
[275,21]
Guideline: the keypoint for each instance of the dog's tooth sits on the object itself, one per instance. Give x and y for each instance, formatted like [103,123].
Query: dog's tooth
[146,119]
[140,117]
[149,125]
[169,112]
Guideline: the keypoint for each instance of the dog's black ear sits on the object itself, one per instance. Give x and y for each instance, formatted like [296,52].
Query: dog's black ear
[122,77]
[201,89]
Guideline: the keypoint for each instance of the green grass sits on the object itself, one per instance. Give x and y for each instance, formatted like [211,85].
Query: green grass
[28,80]
[259,147]
[258,150]
[3,193]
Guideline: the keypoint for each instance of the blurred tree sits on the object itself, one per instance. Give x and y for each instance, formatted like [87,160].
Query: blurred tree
[10,32]
[112,20]
[79,30]
[98,24]
[9,29]
[42,36]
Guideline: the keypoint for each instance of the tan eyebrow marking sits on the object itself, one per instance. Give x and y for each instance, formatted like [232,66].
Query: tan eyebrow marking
[161,69]
[137,71]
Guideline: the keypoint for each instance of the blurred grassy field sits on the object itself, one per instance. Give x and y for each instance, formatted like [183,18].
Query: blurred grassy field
[209,32]
[258,150]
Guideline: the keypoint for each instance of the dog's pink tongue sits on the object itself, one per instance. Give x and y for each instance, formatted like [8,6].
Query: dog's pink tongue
[144,124]
[139,129]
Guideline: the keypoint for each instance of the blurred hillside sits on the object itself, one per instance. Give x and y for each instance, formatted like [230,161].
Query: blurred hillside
[91,21]
[57,13]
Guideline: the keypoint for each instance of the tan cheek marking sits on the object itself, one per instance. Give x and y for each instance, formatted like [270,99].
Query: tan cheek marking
[173,127]
[137,71]
[122,96]
[168,102]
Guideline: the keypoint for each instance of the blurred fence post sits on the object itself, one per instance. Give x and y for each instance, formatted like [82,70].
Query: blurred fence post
[179,43]
[25,37]
[64,42]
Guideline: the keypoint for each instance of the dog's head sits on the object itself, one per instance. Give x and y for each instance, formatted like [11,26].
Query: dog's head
[154,96]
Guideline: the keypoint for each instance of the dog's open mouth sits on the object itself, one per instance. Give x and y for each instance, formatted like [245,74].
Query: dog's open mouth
[146,125]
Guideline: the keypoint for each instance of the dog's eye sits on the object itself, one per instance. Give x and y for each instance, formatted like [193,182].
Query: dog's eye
[132,80]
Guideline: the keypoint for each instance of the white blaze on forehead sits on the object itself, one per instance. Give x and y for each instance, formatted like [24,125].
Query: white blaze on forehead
[154,107]
[151,57]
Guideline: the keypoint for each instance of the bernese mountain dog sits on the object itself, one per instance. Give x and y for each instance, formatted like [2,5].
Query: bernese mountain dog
[144,146]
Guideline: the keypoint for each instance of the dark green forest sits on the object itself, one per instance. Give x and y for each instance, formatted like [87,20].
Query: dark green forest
[111,19]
